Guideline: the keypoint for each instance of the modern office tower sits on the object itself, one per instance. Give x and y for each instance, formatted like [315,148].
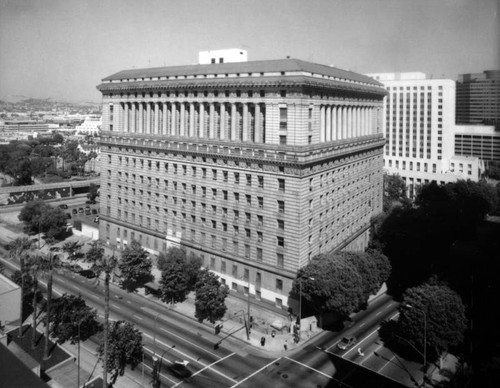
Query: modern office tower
[255,166]
[481,141]
[478,98]
[419,130]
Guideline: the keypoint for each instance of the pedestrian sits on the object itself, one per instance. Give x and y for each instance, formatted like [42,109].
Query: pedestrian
[360,352]
[285,345]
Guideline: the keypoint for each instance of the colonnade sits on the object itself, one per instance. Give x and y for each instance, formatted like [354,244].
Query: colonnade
[230,121]
[339,122]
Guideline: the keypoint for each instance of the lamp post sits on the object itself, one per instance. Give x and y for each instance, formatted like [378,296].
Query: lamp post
[425,339]
[245,321]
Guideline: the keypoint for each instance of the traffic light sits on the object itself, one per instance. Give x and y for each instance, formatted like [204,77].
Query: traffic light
[217,329]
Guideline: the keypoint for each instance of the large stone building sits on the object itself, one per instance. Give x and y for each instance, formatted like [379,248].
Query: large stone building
[255,166]
[420,131]
[478,98]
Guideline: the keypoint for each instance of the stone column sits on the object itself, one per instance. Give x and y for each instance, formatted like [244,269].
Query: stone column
[164,122]
[157,118]
[221,128]
[322,124]
[173,114]
[141,117]
[258,130]
[233,122]
[148,118]
[201,117]
[246,136]
[125,118]
[192,120]
[334,123]
[182,119]
[211,122]
[328,126]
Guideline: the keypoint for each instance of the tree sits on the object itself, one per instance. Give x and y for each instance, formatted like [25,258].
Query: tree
[135,266]
[73,249]
[210,297]
[106,264]
[330,283]
[67,313]
[32,266]
[93,192]
[95,252]
[179,274]
[438,309]
[20,249]
[125,347]
[41,217]
[394,192]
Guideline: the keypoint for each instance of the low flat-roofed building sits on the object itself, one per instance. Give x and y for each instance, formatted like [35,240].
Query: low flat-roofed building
[10,298]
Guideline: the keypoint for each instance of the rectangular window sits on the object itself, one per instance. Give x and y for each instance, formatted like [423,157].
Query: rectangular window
[249,180]
[259,254]
[281,185]
[279,285]
[281,206]
[283,119]
[280,260]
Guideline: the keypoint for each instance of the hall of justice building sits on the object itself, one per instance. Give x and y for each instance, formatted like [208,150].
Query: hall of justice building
[255,166]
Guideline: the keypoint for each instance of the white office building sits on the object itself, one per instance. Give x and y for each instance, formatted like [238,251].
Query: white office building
[419,124]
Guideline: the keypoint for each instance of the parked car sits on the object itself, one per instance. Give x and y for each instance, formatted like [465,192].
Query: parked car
[68,215]
[87,212]
[94,211]
[63,206]
[80,210]
[346,342]
[74,211]
[87,207]
[88,273]
[90,201]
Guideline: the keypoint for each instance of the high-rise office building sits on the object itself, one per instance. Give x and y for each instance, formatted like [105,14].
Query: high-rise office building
[419,129]
[255,166]
[478,98]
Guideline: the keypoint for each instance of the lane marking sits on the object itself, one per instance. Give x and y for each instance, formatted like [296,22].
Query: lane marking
[387,363]
[193,359]
[307,366]
[116,306]
[378,313]
[213,363]
[364,323]
[138,317]
[189,342]
[359,343]
[257,371]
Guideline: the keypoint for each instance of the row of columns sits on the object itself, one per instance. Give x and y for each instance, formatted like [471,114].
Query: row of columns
[339,122]
[232,121]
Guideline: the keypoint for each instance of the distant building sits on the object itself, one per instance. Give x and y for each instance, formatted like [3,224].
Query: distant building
[481,141]
[420,130]
[90,126]
[478,98]
[222,56]
[256,166]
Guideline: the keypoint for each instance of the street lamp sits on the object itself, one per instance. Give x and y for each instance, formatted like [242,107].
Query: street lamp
[245,321]
[425,338]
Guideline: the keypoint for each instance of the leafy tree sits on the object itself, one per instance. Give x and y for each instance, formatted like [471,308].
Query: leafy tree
[179,274]
[73,249]
[330,283]
[436,308]
[67,313]
[394,192]
[41,217]
[382,264]
[210,297]
[135,266]
[93,192]
[125,347]
[95,252]
[32,266]
[20,249]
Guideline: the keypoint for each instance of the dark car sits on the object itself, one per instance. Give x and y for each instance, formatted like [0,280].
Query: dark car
[74,211]
[54,249]
[87,212]
[87,207]
[75,268]
[94,211]
[88,273]
[68,215]
[180,370]
[90,202]
[63,206]
[346,342]
[80,210]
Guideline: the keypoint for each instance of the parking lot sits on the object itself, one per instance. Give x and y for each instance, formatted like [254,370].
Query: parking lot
[83,212]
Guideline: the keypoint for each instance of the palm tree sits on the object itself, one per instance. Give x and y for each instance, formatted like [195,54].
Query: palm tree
[47,264]
[33,266]
[106,264]
[20,249]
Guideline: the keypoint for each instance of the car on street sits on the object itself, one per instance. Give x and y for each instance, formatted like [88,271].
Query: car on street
[80,210]
[180,370]
[88,273]
[94,211]
[346,342]
[63,206]
[87,212]
[74,211]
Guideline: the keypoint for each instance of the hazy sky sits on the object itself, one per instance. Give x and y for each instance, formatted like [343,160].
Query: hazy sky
[63,48]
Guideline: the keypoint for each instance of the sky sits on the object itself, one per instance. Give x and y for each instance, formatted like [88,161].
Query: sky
[61,49]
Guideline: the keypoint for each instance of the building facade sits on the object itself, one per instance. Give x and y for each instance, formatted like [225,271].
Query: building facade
[419,128]
[478,98]
[255,166]
[481,141]
[222,56]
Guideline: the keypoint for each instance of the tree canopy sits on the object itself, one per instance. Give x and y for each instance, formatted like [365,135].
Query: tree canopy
[40,216]
[135,266]
[124,347]
[437,307]
[67,313]
[73,249]
[394,192]
[210,296]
